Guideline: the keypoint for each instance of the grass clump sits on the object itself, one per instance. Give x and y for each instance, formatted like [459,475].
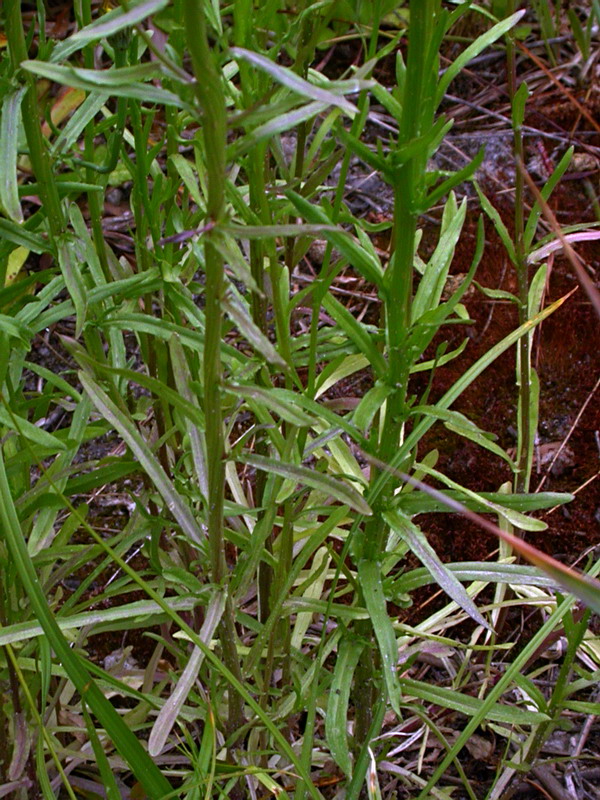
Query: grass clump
[270,530]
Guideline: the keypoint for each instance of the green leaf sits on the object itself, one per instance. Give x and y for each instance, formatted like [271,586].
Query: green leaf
[514,574]
[501,228]
[339,369]
[536,290]
[369,575]
[514,517]
[9,145]
[276,124]
[70,266]
[369,267]
[183,379]
[586,588]
[100,476]
[25,428]
[432,283]
[425,366]
[357,333]
[235,260]
[518,106]
[470,706]
[370,404]
[366,155]
[483,41]
[414,503]
[140,613]
[463,426]
[294,82]
[496,294]
[108,24]
[157,387]
[436,194]
[13,327]
[309,477]
[238,311]
[546,191]
[74,127]
[126,742]
[277,400]
[336,719]
[163,329]
[120,82]
[146,457]
[104,768]
[22,237]
[419,546]
[387,99]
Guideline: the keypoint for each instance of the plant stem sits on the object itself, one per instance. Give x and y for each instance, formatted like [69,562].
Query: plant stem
[214,124]
[525,444]
[409,188]
[561,687]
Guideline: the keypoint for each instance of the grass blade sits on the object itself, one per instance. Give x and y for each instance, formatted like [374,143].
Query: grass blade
[419,545]
[142,452]
[9,144]
[369,574]
[349,651]
[294,82]
[169,712]
[127,744]
[323,483]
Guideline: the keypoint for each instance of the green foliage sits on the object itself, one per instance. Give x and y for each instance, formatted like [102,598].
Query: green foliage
[270,528]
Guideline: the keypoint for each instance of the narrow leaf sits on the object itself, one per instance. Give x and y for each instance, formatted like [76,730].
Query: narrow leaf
[13,232]
[128,745]
[9,143]
[290,80]
[238,312]
[468,705]
[30,431]
[501,228]
[369,574]
[514,517]
[417,541]
[146,457]
[309,477]
[114,81]
[357,333]
[369,267]
[483,41]
[274,400]
[336,720]
[168,714]
[116,20]
[70,266]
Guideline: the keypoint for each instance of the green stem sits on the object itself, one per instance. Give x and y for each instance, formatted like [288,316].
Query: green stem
[561,687]
[214,126]
[409,187]
[525,444]
[258,202]
[409,191]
